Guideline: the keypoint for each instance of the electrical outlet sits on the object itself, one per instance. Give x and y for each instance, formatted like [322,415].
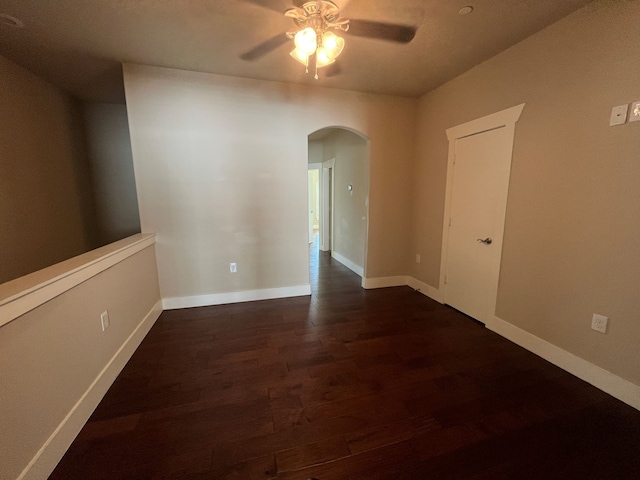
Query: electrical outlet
[233,268]
[104,320]
[417,258]
[599,323]
[634,115]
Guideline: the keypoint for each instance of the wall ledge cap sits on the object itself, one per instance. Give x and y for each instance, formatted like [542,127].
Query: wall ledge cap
[23,294]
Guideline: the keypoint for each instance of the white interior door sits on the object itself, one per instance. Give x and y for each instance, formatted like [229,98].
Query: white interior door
[310,204]
[478,204]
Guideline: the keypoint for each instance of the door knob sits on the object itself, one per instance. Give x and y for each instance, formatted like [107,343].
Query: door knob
[486,241]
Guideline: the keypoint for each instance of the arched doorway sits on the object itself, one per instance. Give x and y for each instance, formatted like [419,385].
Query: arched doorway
[340,156]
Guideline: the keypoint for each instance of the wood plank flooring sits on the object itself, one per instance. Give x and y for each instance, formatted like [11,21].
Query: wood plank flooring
[347,384]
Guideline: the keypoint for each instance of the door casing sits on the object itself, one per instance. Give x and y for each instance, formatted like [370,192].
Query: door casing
[504,119]
[327,200]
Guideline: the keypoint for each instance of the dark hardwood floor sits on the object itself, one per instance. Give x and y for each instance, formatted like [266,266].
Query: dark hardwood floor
[347,384]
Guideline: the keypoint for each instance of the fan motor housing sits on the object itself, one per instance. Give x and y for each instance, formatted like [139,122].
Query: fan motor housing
[312,13]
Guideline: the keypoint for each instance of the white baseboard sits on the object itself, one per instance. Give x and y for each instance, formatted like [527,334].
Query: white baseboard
[404,280]
[43,463]
[355,268]
[426,289]
[235,297]
[384,282]
[615,386]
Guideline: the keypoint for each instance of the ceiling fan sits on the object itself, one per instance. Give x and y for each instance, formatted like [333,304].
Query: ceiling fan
[316,44]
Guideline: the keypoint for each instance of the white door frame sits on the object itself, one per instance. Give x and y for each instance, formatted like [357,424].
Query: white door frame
[503,119]
[310,167]
[328,202]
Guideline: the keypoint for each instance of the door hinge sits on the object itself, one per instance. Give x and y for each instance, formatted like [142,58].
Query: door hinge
[449,221]
[445,279]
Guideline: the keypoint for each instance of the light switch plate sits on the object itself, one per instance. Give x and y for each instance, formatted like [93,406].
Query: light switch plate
[619,115]
[634,115]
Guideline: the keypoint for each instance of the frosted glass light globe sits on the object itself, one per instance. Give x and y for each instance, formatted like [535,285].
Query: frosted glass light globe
[306,41]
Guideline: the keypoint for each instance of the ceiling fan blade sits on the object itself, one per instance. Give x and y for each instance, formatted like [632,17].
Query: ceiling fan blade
[264,48]
[333,70]
[276,5]
[383,31]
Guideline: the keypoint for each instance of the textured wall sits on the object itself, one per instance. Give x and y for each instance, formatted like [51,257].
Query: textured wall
[46,206]
[50,356]
[572,230]
[221,172]
[351,155]
[112,177]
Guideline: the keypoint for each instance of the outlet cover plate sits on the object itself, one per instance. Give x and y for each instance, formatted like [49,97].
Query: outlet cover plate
[634,115]
[104,320]
[599,323]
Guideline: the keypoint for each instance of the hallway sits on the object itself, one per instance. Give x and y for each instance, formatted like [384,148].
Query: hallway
[325,271]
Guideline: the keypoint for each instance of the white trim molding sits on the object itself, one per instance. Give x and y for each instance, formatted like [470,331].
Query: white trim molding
[402,281]
[606,381]
[46,459]
[499,119]
[328,200]
[23,294]
[426,289]
[174,303]
[354,267]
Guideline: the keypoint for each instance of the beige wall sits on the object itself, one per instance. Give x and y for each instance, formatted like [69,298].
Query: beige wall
[351,154]
[315,151]
[50,356]
[46,210]
[221,172]
[572,229]
[111,165]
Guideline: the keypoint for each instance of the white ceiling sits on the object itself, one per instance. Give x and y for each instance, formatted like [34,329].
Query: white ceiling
[79,45]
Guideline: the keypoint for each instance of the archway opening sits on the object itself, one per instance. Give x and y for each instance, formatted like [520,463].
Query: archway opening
[339,159]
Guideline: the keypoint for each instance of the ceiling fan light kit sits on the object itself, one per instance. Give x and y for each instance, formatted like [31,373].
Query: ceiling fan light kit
[314,41]
[316,44]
